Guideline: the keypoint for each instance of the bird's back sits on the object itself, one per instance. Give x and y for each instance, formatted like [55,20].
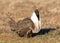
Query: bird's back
[25,23]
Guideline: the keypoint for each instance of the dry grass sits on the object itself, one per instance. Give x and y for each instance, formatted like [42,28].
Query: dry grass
[50,37]
[19,9]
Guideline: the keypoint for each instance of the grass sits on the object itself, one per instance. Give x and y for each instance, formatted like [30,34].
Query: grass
[50,37]
[50,17]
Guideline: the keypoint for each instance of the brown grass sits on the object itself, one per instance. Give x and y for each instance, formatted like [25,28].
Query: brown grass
[19,9]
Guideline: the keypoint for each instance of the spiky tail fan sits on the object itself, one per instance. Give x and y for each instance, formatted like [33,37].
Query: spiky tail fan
[12,23]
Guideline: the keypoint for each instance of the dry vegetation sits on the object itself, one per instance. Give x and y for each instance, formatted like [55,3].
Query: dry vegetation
[19,9]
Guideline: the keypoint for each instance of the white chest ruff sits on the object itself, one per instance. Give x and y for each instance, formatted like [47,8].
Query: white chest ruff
[36,22]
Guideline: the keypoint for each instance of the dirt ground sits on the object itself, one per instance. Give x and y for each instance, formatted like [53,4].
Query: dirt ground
[18,9]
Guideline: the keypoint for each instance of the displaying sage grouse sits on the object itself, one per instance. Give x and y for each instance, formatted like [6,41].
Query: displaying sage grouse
[27,26]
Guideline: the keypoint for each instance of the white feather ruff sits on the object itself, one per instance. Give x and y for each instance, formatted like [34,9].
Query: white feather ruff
[36,22]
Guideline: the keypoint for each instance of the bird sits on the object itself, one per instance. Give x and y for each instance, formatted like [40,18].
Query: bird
[27,26]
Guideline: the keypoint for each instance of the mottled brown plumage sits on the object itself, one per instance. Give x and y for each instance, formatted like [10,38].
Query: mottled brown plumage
[22,27]
[27,26]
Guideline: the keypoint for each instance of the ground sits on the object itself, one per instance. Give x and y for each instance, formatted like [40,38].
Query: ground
[18,9]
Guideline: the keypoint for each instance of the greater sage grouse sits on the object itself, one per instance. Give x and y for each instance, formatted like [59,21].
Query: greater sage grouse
[27,26]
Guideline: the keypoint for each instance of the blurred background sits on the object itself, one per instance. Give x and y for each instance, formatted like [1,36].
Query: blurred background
[18,9]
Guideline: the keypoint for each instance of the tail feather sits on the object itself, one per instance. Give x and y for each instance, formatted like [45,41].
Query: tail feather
[12,24]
